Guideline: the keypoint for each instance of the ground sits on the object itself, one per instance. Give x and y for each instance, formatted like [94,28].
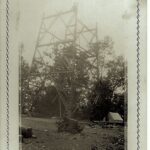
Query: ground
[91,138]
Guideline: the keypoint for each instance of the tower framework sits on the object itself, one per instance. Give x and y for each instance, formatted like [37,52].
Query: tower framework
[65,35]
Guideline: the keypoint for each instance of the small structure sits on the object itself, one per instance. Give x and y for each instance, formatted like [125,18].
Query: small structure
[113,117]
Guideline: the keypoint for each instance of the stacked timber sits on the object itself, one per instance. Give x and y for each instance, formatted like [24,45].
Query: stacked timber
[69,125]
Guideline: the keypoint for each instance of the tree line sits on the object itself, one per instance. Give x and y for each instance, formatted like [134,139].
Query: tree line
[94,92]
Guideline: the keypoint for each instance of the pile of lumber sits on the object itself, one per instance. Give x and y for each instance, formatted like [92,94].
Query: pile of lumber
[69,125]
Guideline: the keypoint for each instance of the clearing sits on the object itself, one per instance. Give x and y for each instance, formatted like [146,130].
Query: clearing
[91,138]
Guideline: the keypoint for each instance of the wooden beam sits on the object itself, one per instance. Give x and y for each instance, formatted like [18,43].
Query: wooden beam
[55,43]
[59,14]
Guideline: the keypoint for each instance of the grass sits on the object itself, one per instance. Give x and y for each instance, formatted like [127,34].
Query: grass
[96,138]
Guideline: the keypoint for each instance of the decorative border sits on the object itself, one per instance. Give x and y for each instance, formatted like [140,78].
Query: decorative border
[7,72]
[138,74]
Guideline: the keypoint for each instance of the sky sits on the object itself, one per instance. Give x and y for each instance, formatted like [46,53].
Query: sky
[116,19]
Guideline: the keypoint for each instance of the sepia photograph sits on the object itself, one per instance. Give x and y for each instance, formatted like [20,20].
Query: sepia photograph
[73,74]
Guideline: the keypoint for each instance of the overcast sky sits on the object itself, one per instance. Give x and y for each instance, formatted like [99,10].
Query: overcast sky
[115,18]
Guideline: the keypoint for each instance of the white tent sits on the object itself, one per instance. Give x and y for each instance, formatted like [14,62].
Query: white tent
[113,117]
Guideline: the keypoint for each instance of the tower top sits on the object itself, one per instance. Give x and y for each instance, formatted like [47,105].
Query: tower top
[75,6]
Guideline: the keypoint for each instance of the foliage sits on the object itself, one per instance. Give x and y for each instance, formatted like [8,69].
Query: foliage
[71,75]
[116,73]
[68,80]
[105,96]
[24,86]
[100,103]
[31,88]
[103,51]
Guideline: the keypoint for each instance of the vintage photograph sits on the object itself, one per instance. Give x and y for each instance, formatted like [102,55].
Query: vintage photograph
[73,86]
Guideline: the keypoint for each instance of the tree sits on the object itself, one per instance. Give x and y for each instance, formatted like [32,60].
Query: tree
[102,99]
[31,88]
[103,50]
[116,73]
[117,76]
[99,100]
[70,76]
[24,86]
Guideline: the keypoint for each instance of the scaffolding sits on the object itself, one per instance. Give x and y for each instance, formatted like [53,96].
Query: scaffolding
[57,33]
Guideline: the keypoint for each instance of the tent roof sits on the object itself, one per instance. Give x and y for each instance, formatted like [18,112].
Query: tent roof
[115,116]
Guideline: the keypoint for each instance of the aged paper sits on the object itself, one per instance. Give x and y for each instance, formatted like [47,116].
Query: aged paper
[73,75]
